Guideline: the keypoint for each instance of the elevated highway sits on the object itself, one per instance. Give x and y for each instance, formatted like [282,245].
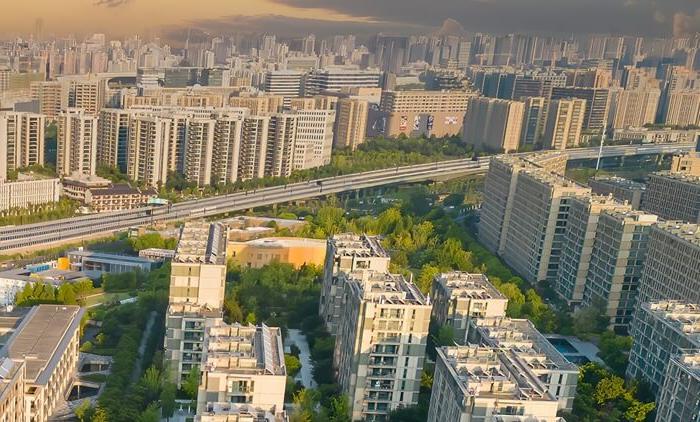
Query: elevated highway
[52,233]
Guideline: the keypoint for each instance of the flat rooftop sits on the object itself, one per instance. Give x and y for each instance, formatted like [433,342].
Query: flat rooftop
[681,316]
[286,242]
[693,180]
[41,339]
[462,284]
[686,231]
[244,350]
[201,243]
[108,257]
[619,182]
[385,288]
[350,244]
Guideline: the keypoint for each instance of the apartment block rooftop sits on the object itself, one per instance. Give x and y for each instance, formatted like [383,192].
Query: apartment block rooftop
[41,337]
[521,338]
[681,316]
[350,244]
[690,361]
[686,231]
[467,285]
[555,181]
[387,288]
[487,372]
[620,182]
[244,350]
[190,310]
[201,243]
[229,412]
[632,215]
[681,177]
[10,370]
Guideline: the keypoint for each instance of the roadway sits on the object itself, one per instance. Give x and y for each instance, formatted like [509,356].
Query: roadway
[53,233]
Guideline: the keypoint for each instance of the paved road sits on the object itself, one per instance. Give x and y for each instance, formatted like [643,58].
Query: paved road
[54,233]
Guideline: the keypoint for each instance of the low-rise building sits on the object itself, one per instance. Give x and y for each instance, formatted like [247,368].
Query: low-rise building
[678,399]
[458,297]
[47,341]
[286,250]
[156,254]
[347,253]
[623,190]
[76,186]
[117,197]
[522,341]
[243,364]
[656,136]
[488,384]
[94,264]
[14,281]
[23,193]
[660,331]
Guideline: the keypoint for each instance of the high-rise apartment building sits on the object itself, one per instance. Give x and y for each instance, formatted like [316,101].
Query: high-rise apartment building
[633,108]
[196,297]
[415,113]
[660,331]
[46,347]
[671,269]
[76,143]
[228,133]
[519,339]
[597,104]
[682,108]
[280,145]
[565,119]
[313,139]
[253,150]
[199,151]
[673,196]
[243,366]
[259,105]
[535,233]
[615,268]
[380,346]
[21,140]
[678,398]
[149,148]
[350,123]
[87,93]
[347,253]
[493,124]
[458,297]
[581,229]
[113,138]
[482,383]
[52,97]
[534,119]
[624,190]
[499,187]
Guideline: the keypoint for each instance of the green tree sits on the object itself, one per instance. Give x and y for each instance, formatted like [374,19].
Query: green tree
[151,383]
[100,415]
[638,411]
[516,299]
[84,411]
[167,399]
[339,409]
[426,277]
[191,383]
[446,336]
[614,351]
[150,414]
[292,364]
[609,389]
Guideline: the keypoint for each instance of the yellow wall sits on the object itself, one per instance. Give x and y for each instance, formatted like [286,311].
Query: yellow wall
[294,251]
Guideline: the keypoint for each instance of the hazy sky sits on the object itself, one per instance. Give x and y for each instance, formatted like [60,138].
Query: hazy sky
[644,17]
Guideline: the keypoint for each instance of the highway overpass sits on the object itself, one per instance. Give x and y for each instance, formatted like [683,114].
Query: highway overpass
[52,233]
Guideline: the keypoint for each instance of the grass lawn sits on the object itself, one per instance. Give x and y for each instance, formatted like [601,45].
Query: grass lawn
[100,298]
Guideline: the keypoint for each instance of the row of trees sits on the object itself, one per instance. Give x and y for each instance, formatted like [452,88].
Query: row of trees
[67,293]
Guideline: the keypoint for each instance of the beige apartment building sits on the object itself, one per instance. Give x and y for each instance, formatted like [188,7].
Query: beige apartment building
[76,143]
[243,365]
[380,346]
[682,108]
[688,164]
[415,113]
[479,383]
[149,149]
[197,283]
[52,97]
[313,139]
[678,399]
[350,123]
[633,108]
[624,190]
[534,354]
[41,356]
[661,331]
[673,196]
[534,235]
[113,137]
[24,193]
[233,412]
[12,378]
[565,119]
[617,258]
[346,253]
[493,124]
[581,229]
[458,297]
[21,141]
[671,269]
[259,105]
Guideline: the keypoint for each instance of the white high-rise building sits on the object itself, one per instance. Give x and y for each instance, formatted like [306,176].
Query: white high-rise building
[149,148]
[314,138]
[77,143]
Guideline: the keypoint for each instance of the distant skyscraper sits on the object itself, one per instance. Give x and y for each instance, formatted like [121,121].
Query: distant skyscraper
[565,119]
[493,124]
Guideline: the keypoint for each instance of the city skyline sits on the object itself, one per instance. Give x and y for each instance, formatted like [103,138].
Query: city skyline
[297,17]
